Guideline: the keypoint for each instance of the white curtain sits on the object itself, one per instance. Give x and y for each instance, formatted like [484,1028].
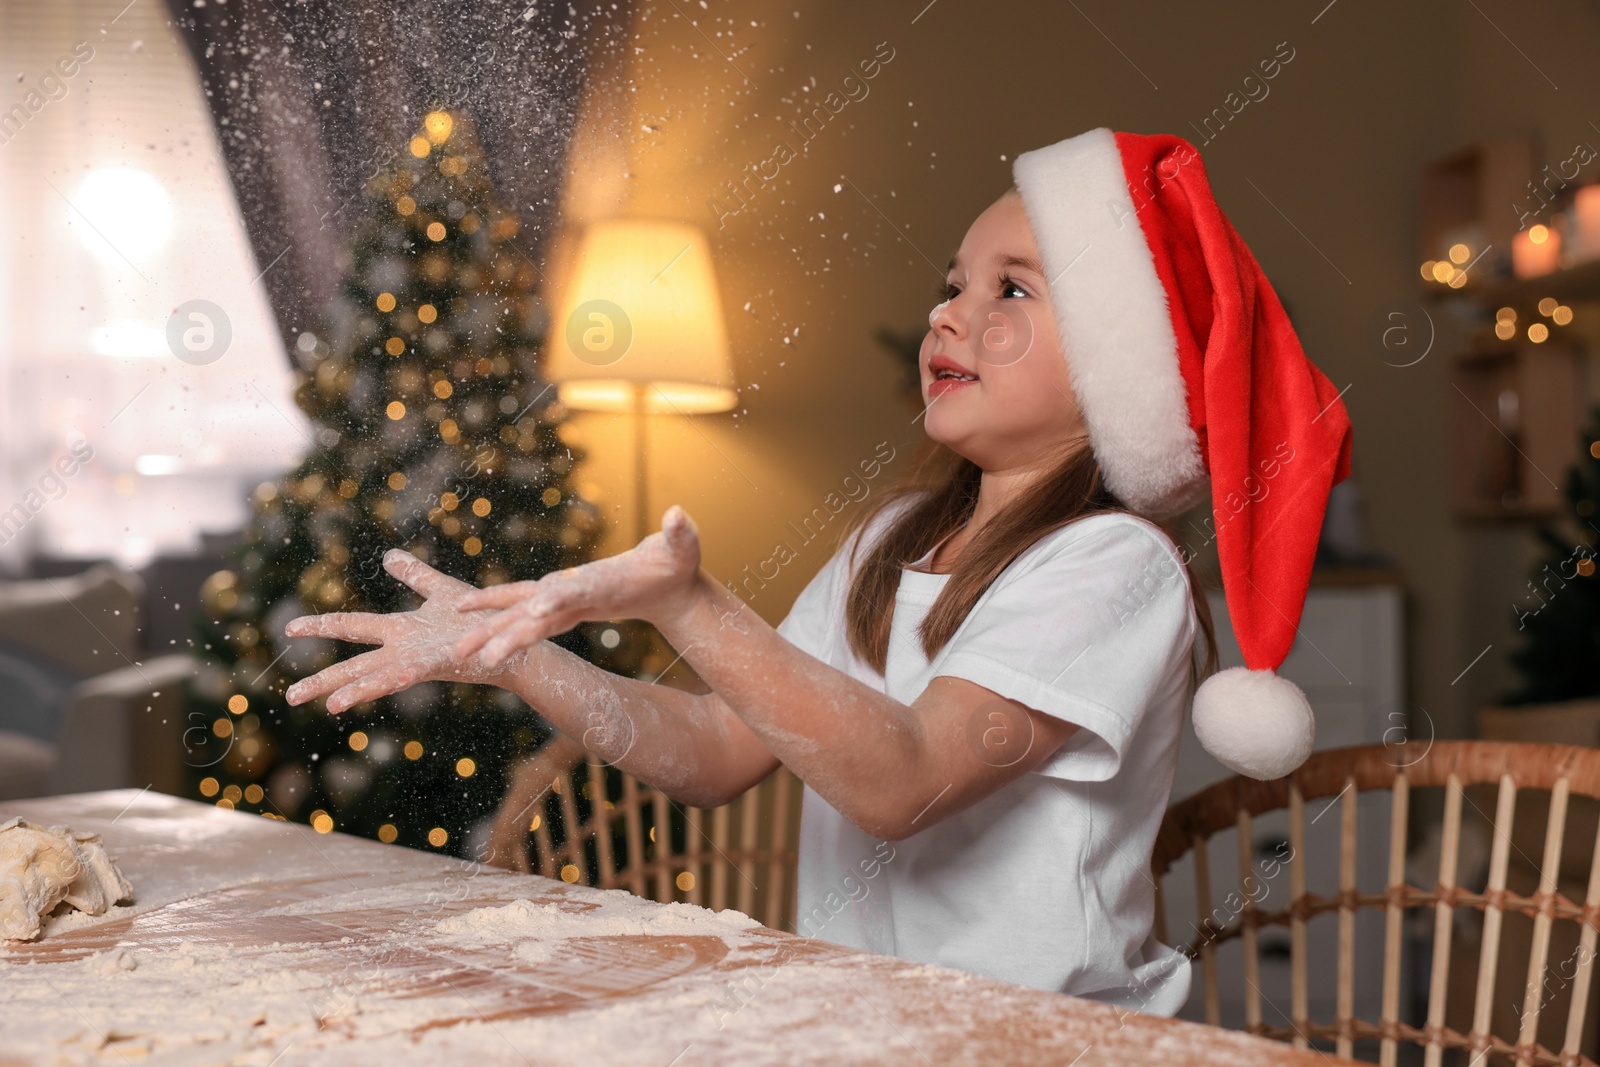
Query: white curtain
[117,213]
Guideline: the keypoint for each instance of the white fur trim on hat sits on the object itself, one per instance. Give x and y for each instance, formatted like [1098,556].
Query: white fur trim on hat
[1115,326]
[1253,722]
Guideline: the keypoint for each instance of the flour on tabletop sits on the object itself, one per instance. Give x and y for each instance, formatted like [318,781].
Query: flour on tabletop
[618,912]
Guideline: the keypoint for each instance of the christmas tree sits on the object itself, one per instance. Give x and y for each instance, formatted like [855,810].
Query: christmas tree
[1560,614]
[433,432]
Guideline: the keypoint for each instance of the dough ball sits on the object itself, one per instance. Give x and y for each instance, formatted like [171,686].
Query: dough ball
[41,867]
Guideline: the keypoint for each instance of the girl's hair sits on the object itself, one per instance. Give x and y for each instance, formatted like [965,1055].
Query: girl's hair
[947,483]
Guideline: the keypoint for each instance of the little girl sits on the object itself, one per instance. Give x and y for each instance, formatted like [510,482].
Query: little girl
[983,689]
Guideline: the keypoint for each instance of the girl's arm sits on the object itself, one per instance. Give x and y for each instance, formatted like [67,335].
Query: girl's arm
[890,768]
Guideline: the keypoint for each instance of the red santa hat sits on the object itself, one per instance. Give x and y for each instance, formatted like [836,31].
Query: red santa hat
[1187,371]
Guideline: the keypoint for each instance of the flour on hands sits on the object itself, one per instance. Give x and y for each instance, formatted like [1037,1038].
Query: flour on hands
[648,581]
[416,646]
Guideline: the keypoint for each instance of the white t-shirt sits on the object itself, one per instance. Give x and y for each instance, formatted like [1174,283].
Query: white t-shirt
[1044,882]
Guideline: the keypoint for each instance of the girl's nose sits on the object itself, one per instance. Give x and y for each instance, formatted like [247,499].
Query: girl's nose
[943,315]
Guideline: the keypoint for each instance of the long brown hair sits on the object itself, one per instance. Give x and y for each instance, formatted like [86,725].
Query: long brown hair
[947,483]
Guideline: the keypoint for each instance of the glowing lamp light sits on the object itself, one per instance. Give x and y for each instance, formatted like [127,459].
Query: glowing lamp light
[122,212]
[642,323]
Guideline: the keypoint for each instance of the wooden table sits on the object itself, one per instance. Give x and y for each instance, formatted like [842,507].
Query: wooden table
[253,941]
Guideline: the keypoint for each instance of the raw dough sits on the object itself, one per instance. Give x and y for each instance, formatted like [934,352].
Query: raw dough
[41,867]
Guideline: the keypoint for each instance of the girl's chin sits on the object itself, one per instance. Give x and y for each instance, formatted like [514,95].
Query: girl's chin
[948,431]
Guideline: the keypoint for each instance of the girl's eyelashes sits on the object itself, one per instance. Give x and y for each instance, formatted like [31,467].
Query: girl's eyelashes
[948,291]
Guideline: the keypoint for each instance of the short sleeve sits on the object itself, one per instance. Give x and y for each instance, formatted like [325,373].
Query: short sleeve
[818,612]
[812,615]
[1090,627]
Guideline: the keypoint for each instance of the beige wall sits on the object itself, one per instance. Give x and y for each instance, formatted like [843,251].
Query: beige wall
[1371,93]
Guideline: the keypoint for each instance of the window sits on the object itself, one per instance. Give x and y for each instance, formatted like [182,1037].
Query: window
[124,268]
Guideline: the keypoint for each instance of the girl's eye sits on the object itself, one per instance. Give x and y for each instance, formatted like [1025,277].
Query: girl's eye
[948,291]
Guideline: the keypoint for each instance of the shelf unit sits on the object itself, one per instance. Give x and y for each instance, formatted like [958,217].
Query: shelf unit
[1516,405]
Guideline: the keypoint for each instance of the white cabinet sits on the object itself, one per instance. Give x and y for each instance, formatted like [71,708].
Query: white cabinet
[1348,658]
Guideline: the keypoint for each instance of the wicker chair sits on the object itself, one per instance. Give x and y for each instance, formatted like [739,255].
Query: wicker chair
[585,821]
[1552,774]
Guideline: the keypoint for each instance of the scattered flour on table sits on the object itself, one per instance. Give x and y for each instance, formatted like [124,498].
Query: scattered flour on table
[532,929]
[413,897]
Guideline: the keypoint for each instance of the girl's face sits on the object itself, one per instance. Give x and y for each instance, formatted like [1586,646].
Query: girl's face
[1012,408]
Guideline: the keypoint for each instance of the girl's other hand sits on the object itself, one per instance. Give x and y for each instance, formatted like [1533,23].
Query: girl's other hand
[650,581]
[417,646]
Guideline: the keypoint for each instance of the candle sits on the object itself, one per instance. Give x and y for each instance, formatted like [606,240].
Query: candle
[1586,205]
[1535,251]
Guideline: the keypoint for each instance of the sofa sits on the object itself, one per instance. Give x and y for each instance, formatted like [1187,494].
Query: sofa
[80,709]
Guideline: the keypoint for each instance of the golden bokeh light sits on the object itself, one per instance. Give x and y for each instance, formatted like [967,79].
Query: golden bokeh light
[438,125]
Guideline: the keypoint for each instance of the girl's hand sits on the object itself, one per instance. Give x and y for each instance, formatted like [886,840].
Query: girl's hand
[651,581]
[417,646]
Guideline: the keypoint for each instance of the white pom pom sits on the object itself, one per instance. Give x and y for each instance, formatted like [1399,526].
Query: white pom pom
[1254,722]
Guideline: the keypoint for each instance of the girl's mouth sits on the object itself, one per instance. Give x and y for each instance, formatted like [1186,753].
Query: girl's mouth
[947,382]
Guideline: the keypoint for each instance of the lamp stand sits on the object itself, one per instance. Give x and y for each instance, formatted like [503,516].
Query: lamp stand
[641,470]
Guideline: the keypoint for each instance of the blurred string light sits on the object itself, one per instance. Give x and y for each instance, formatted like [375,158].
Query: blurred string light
[1448,271]
[1505,321]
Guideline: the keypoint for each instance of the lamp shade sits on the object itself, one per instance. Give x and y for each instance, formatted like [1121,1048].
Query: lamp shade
[642,319]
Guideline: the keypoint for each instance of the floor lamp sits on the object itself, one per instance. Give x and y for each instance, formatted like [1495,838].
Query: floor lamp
[640,330]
